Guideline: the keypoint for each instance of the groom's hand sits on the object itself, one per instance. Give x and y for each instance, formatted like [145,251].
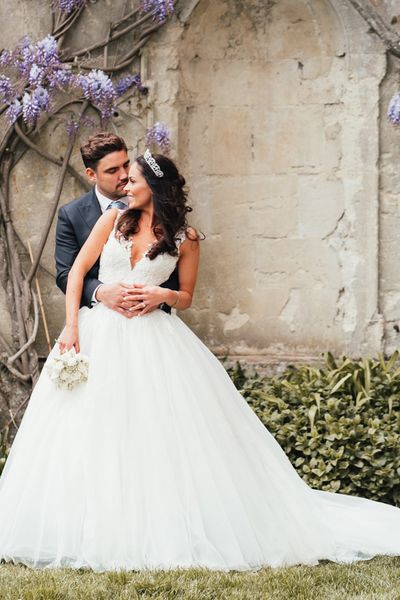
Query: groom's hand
[113,295]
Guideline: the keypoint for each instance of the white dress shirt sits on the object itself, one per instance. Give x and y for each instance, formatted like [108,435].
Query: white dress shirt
[104,202]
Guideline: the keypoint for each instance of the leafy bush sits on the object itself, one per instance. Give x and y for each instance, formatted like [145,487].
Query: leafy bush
[339,424]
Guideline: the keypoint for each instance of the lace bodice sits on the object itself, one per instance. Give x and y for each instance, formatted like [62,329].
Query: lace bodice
[115,263]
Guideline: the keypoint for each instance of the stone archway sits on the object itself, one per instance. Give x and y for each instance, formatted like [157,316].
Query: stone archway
[276,113]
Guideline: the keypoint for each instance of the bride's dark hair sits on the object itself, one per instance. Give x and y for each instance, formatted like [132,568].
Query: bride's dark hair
[170,207]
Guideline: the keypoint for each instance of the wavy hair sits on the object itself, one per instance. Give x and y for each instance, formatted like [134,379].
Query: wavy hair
[98,146]
[170,207]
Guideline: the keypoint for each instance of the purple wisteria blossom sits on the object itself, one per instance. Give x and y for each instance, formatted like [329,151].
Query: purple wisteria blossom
[39,70]
[72,127]
[98,88]
[161,9]
[24,57]
[14,111]
[87,122]
[42,97]
[127,82]
[30,108]
[35,103]
[7,90]
[47,51]
[33,60]
[36,75]
[61,77]
[160,135]
[6,58]
[67,6]
[73,124]
[394,109]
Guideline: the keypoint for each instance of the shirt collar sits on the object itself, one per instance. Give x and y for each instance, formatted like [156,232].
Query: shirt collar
[104,201]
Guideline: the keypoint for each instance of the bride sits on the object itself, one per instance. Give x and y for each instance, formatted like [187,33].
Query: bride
[157,462]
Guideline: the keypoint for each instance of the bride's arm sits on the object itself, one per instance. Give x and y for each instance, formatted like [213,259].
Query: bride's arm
[188,265]
[84,261]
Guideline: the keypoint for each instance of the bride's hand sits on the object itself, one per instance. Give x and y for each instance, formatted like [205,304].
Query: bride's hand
[148,297]
[69,338]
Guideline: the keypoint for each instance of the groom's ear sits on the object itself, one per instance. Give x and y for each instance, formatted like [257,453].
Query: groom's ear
[91,175]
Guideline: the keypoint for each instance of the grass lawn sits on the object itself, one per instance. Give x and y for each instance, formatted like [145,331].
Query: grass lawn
[367,580]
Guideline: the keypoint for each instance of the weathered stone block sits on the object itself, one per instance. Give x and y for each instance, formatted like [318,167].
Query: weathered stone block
[320,205]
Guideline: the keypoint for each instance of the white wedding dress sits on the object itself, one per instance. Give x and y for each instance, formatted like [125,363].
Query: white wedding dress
[157,462]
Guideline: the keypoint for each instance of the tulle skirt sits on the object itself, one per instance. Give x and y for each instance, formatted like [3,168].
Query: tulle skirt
[157,462]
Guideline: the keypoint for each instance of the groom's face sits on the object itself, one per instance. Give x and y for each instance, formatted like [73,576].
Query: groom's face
[111,174]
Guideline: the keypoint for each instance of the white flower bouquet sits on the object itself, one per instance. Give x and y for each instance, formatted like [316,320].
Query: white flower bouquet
[68,369]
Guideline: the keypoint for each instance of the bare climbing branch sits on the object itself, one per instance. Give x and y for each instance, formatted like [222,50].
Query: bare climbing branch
[49,157]
[385,32]
[56,200]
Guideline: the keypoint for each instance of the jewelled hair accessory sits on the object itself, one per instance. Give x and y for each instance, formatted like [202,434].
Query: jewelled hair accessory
[153,164]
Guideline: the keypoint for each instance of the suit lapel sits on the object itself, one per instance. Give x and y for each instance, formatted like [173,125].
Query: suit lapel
[90,209]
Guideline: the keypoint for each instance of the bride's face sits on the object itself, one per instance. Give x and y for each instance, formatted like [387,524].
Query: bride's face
[137,189]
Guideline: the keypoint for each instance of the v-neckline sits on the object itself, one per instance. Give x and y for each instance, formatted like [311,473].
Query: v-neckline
[144,254]
[127,247]
[138,261]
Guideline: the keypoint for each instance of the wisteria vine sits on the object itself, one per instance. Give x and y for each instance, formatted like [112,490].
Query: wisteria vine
[39,74]
[160,9]
[41,80]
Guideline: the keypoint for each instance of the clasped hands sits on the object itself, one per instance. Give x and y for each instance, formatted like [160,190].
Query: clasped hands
[131,300]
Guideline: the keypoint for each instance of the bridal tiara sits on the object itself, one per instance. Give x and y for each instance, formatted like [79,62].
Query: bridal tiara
[153,164]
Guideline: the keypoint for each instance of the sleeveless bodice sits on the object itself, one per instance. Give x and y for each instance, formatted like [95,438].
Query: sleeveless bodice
[115,262]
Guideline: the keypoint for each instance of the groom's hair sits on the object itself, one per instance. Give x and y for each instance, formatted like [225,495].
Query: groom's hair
[98,146]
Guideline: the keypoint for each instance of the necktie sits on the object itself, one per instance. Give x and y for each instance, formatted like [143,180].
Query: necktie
[117,204]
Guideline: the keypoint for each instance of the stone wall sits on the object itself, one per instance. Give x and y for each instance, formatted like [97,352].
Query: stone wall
[284,97]
[277,111]
[389,216]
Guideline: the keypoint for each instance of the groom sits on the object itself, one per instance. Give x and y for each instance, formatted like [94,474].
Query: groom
[106,160]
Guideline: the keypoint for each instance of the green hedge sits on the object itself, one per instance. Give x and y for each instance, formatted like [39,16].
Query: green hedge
[339,424]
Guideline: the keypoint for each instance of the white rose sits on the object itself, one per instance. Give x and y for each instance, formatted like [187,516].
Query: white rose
[82,367]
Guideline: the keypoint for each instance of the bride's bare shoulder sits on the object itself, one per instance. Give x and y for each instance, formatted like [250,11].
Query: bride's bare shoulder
[109,216]
[107,220]
[189,239]
[103,226]
[192,234]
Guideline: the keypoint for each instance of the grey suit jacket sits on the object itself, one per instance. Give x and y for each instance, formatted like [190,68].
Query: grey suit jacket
[74,224]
